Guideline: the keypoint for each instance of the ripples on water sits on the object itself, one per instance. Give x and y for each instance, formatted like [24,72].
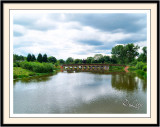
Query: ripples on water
[80,92]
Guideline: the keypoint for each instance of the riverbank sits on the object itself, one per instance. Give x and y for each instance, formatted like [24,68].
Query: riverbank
[139,72]
[19,73]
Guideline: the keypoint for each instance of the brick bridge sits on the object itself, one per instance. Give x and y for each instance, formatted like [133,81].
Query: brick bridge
[90,66]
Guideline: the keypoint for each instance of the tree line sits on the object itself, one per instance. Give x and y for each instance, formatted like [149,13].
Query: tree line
[120,54]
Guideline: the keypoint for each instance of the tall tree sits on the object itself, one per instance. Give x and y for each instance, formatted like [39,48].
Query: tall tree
[107,59]
[131,52]
[44,58]
[143,56]
[124,53]
[89,60]
[29,57]
[52,59]
[98,57]
[76,61]
[39,58]
[61,61]
[17,57]
[33,58]
[84,61]
[118,54]
[69,60]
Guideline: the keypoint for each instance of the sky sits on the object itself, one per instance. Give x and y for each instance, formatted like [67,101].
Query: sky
[77,35]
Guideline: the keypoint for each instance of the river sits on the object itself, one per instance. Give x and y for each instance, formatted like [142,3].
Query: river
[81,92]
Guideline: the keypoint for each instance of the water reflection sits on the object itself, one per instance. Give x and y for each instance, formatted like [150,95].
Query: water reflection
[37,79]
[102,71]
[124,82]
[127,82]
[79,91]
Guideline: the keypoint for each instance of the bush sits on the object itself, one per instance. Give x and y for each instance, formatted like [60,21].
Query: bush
[133,63]
[140,65]
[144,68]
[37,67]
[141,73]
[132,68]
[16,64]
[113,68]
[19,72]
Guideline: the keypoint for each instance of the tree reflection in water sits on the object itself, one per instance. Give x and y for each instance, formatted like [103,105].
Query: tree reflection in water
[37,79]
[127,82]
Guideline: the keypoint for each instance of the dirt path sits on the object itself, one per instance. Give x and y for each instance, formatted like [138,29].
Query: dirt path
[126,68]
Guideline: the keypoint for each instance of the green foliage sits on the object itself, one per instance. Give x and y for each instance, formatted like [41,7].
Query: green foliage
[107,59]
[37,67]
[131,52]
[140,65]
[33,58]
[18,58]
[140,72]
[29,57]
[144,68]
[61,61]
[52,59]
[39,58]
[133,63]
[140,69]
[98,58]
[116,68]
[124,53]
[69,60]
[44,58]
[114,59]
[18,72]
[132,68]
[77,61]
[143,56]
[16,64]
[89,60]
[83,61]
[56,64]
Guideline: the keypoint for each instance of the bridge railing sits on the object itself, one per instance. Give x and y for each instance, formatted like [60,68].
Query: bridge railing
[93,65]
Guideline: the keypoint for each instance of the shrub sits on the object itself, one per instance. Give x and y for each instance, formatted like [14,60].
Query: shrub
[112,68]
[140,65]
[16,64]
[144,68]
[132,68]
[133,63]
[145,75]
[37,67]
[19,72]
[140,72]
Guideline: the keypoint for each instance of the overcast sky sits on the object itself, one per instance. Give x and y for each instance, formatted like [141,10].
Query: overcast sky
[77,35]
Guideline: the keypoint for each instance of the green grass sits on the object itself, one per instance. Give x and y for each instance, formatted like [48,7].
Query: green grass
[19,72]
[116,68]
[140,69]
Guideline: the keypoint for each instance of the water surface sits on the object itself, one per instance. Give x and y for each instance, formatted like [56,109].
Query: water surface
[80,93]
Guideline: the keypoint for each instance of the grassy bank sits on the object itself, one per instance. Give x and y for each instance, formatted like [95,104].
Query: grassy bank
[27,69]
[116,68]
[37,67]
[19,72]
[140,69]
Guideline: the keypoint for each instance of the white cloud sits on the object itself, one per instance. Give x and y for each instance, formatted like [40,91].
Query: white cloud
[141,44]
[61,38]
